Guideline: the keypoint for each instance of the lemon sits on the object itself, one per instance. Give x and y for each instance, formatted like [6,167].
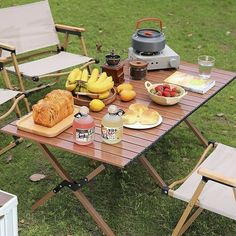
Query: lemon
[96,105]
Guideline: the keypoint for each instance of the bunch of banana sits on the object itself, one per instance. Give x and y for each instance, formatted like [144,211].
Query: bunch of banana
[79,81]
[71,81]
[100,84]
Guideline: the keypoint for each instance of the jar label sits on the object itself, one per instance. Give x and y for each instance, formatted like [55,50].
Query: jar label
[111,133]
[84,135]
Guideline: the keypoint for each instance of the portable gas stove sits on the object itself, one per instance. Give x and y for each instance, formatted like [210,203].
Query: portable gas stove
[165,59]
[150,45]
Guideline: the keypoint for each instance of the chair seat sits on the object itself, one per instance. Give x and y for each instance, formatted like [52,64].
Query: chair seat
[51,64]
[6,95]
[215,197]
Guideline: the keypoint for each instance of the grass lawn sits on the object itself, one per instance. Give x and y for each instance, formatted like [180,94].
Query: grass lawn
[129,200]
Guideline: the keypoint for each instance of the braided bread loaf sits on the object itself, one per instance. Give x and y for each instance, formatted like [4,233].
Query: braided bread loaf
[56,106]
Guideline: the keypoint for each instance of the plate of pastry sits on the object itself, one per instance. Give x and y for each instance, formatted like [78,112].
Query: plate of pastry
[139,116]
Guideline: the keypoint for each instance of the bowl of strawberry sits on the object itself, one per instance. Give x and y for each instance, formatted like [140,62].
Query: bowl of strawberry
[164,93]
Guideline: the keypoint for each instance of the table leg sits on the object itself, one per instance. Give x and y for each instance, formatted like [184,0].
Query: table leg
[152,172]
[79,195]
[197,132]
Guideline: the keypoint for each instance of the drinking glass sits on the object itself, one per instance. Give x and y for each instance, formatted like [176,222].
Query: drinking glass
[205,65]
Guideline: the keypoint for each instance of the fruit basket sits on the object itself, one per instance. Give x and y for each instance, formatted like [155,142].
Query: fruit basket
[171,96]
[83,99]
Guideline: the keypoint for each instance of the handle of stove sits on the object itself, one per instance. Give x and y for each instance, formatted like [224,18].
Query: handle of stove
[138,22]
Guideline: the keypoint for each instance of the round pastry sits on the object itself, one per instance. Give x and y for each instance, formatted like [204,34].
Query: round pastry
[130,117]
[138,108]
[149,117]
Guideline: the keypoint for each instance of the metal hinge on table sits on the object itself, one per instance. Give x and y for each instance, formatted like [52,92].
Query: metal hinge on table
[71,185]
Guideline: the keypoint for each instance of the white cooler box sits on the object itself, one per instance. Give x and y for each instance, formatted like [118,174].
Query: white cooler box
[8,214]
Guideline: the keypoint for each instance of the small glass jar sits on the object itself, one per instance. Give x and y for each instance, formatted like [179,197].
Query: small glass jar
[138,69]
[112,125]
[83,127]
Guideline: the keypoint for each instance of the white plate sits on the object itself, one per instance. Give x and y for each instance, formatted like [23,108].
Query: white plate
[137,125]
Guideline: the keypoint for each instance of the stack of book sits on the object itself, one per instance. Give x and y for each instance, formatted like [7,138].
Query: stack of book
[190,82]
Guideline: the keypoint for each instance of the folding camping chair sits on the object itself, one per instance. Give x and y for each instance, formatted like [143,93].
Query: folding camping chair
[213,176]
[24,30]
[5,96]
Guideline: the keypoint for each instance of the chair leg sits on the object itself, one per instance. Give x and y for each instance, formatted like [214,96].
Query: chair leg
[85,52]
[9,86]
[190,220]
[234,191]
[21,84]
[179,227]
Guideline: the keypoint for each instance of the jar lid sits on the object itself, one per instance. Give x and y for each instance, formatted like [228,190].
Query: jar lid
[84,111]
[112,109]
[138,64]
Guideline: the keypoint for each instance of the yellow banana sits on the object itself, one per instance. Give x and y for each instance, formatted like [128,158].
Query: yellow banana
[83,89]
[104,95]
[78,75]
[100,87]
[94,76]
[102,77]
[109,79]
[69,86]
[73,75]
[84,76]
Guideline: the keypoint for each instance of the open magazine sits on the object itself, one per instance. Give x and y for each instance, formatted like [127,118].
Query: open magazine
[190,82]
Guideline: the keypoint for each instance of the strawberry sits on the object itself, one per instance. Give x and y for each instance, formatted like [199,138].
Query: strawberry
[166,94]
[166,86]
[174,89]
[159,88]
[167,89]
[172,93]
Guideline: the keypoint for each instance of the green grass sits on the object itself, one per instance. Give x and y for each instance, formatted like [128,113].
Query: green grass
[129,200]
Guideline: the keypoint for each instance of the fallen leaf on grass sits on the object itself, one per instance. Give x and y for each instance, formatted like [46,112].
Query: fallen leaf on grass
[190,35]
[9,158]
[37,177]
[199,46]
[220,114]
[22,221]
[231,97]
[28,145]
[228,33]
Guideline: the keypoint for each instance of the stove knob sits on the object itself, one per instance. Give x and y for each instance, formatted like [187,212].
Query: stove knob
[173,63]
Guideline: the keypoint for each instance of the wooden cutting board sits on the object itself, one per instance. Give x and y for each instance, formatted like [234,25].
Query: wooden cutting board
[26,123]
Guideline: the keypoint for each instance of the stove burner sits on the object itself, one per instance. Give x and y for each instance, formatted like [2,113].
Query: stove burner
[147,53]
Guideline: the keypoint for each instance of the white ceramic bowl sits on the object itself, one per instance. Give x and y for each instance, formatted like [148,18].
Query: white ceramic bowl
[164,100]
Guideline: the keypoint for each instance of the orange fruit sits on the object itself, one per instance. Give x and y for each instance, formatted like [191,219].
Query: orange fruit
[124,86]
[127,95]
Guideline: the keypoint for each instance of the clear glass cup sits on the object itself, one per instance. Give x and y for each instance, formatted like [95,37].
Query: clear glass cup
[205,65]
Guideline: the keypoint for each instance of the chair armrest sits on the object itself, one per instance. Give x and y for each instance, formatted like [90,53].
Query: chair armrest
[217,177]
[69,29]
[7,47]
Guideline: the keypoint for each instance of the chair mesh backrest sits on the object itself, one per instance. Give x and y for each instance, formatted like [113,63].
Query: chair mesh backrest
[27,27]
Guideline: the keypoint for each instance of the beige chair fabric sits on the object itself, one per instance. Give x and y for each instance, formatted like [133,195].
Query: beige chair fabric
[27,27]
[60,61]
[6,95]
[215,197]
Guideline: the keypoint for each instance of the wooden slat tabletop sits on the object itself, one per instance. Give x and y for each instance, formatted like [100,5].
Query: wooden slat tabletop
[134,142]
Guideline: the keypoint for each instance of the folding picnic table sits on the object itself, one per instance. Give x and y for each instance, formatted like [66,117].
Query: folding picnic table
[134,142]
